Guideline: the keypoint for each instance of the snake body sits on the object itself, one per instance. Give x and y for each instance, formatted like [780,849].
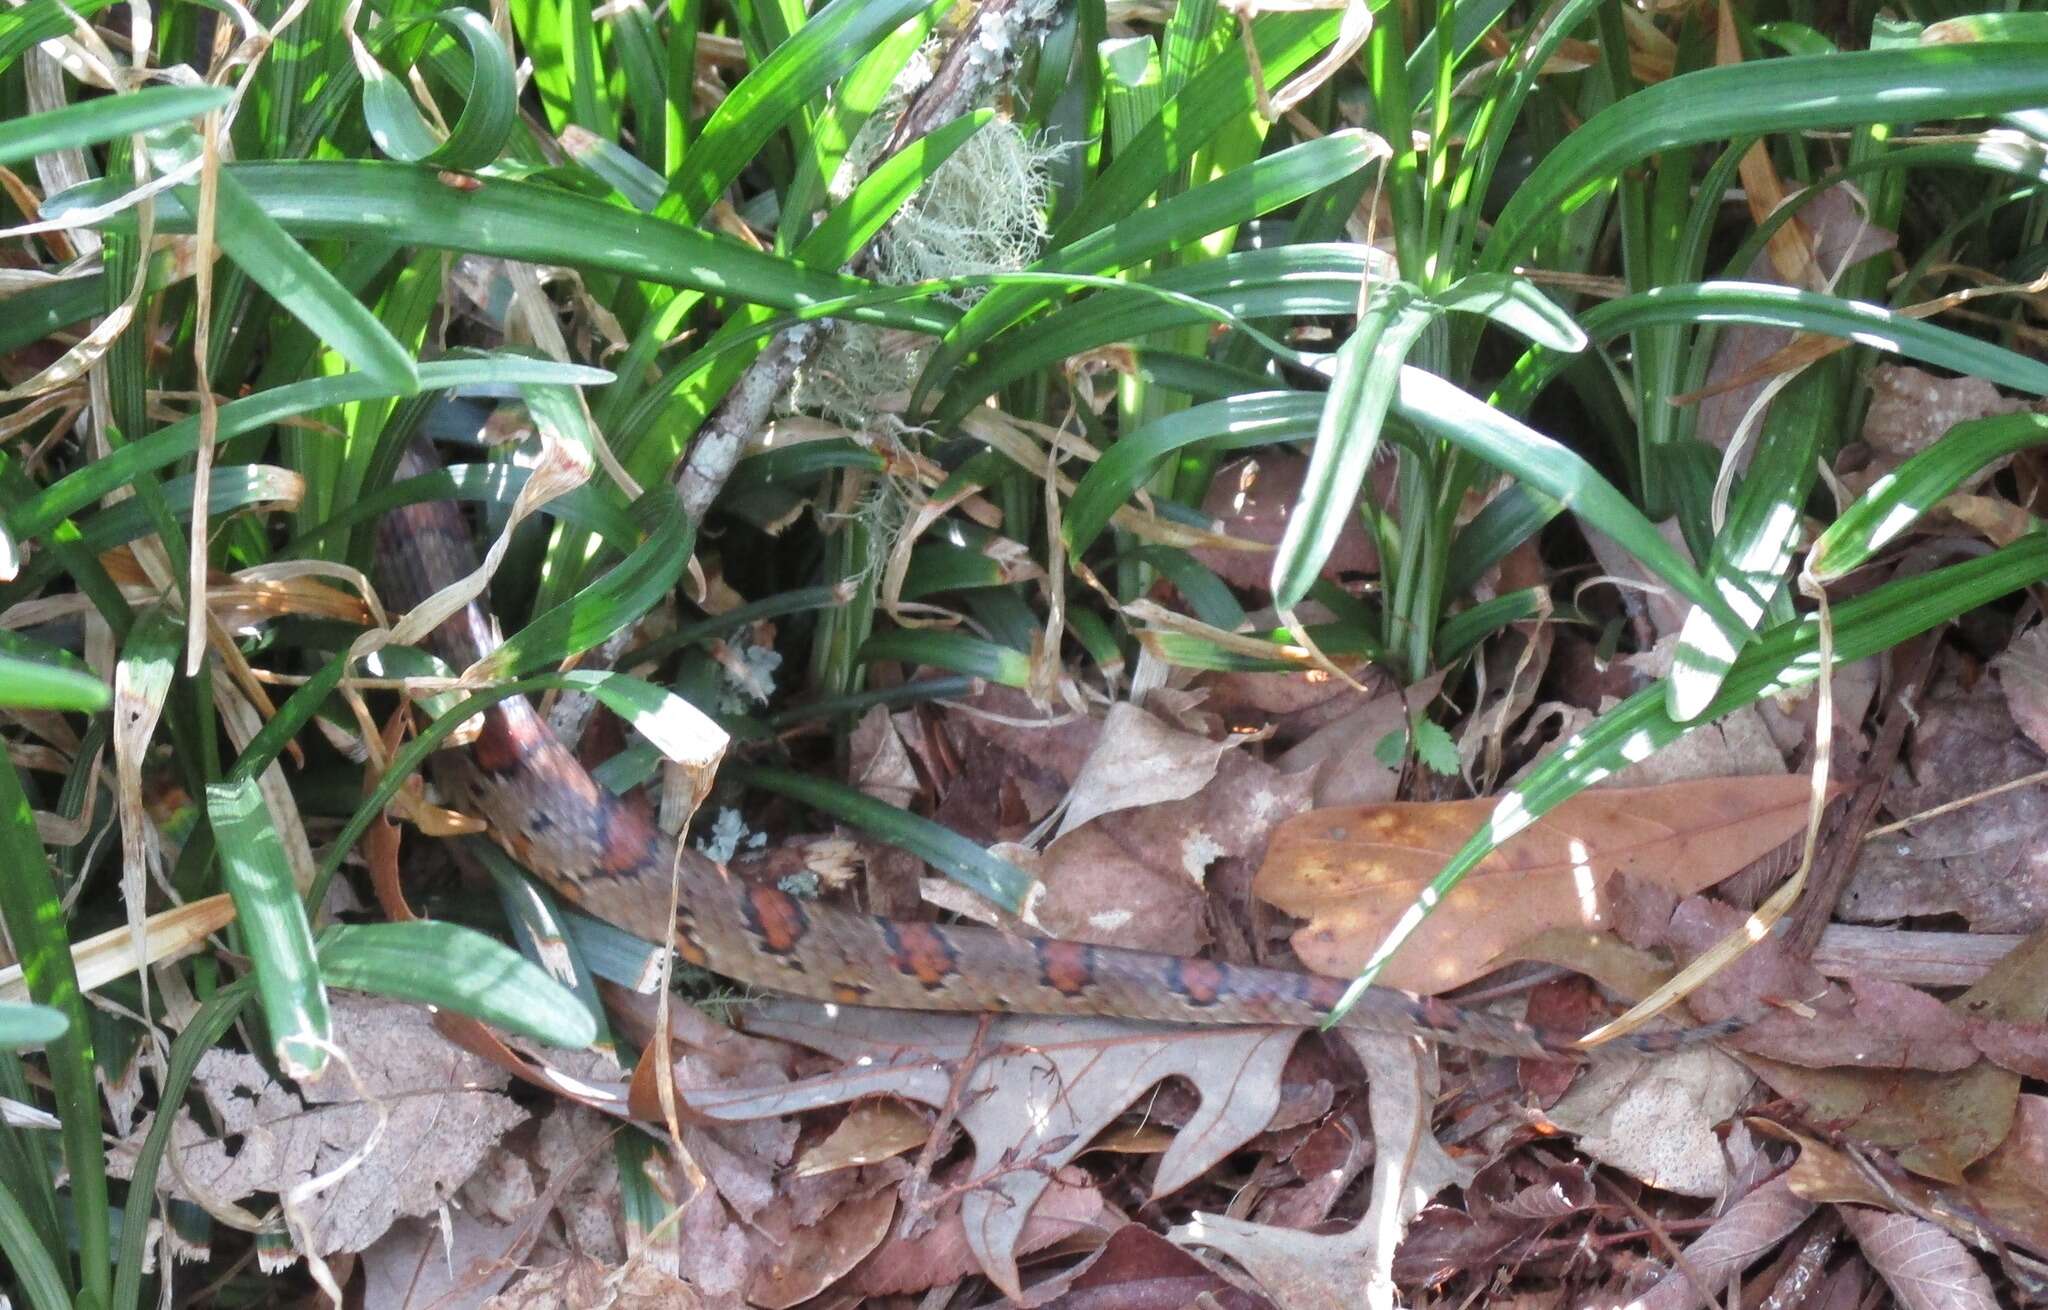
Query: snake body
[611,859]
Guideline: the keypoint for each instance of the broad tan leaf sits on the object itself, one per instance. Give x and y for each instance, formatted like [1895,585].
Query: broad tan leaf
[1042,1091]
[1352,872]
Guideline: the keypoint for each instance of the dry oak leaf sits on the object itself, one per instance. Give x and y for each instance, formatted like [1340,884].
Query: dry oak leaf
[1042,1091]
[1353,872]
[443,1119]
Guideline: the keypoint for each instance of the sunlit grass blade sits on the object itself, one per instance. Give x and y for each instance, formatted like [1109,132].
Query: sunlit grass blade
[1899,498]
[1264,185]
[1513,447]
[174,441]
[34,918]
[790,79]
[273,924]
[29,1025]
[454,968]
[1362,385]
[490,104]
[301,284]
[94,121]
[1800,93]
[1260,418]
[360,200]
[33,684]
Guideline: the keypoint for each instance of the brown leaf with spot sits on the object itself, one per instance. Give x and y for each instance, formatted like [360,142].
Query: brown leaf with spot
[1353,872]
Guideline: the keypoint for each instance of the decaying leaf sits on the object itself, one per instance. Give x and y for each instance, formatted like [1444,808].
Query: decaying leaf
[441,1110]
[1140,760]
[1655,1118]
[1751,1228]
[1925,1267]
[1042,1092]
[2023,675]
[1938,1124]
[1338,1271]
[1353,872]
[1987,861]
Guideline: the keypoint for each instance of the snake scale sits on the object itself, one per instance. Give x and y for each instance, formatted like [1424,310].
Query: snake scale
[612,860]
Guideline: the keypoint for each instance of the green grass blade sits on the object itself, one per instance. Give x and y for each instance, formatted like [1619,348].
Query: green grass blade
[1362,386]
[35,1273]
[360,200]
[1263,186]
[34,917]
[105,119]
[299,283]
[1800,93]
[273,924]
[454,968]
[1898,499]
[789,80]
[1261,418]
[29,1025]
[1553,469]
[945,850]
[35,685]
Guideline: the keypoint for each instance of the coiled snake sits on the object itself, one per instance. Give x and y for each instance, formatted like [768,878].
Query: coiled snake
[610,858]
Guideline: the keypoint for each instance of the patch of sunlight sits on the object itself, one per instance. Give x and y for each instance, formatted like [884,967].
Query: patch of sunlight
[1638,746]
[1583,884]
[1902,516]
[1509,817]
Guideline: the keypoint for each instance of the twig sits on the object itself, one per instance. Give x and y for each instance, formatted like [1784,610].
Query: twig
[981,54]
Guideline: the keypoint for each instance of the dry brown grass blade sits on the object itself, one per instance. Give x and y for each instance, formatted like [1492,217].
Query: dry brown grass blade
[171,935]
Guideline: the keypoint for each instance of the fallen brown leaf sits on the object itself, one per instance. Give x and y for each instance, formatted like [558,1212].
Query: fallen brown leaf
[441,1110]
[1750,1229]
[1938,1124]
[1042,1091]
[1353,872]
[1926,1268]
[870,1132]
[1987,861]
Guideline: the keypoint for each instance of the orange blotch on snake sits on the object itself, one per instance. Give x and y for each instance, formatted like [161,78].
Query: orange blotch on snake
[627,848]
[1200,982]
[497,750]
[776,919]
[1066,967]
[921,951]
[1319,992]
[849,993]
